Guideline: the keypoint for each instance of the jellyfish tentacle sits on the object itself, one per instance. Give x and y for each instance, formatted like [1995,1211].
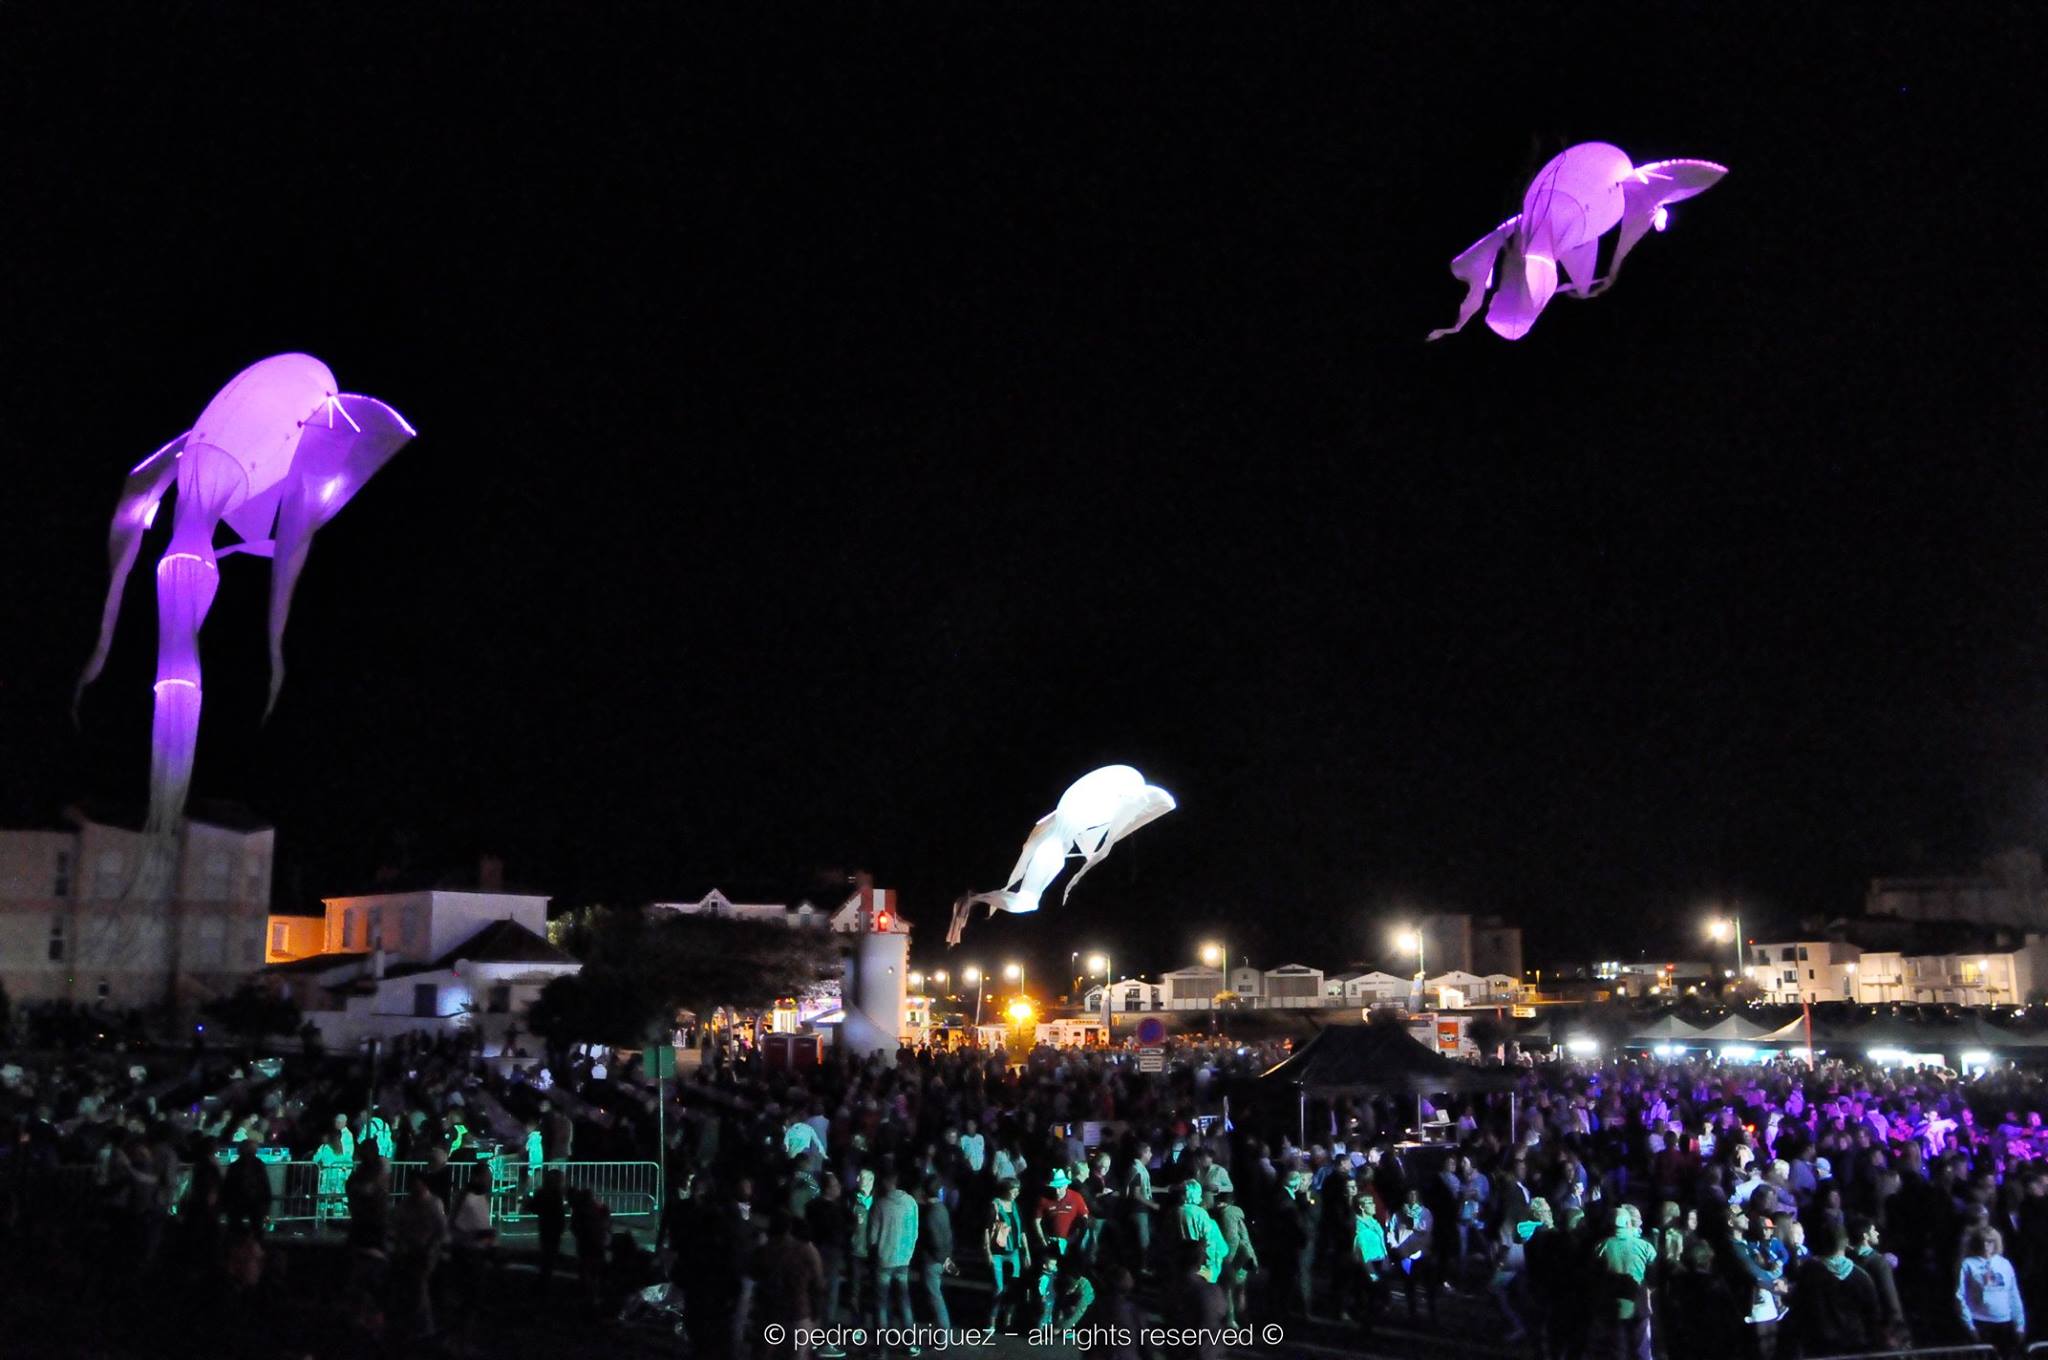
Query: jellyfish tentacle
[1645,197]
[134,513]
[338,452]
[1474,267]
[1147,806]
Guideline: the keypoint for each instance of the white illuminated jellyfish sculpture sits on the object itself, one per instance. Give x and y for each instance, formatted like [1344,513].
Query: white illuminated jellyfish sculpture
[274,456]
[1098,810]
[1575,200]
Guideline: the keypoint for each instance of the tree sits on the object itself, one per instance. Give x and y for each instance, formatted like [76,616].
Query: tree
[637,973]
[600,1005]
[1489,1033]
[252,1012]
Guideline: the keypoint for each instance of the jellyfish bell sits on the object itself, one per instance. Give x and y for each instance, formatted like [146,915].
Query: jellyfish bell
[1583,193]
[256,419]
[1095,797]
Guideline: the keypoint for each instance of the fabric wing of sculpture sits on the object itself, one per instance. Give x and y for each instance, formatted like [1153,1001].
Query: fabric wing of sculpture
[1096,811]
[278,449]
[1580,196]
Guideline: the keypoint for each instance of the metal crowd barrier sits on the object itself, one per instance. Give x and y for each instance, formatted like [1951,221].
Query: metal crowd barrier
[1974,1351]
[627,1189]
[307,1192]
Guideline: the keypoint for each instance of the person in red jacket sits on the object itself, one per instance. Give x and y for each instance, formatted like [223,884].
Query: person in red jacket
[1062,1216]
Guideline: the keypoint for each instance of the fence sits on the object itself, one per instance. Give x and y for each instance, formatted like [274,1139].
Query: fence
[306,1192]
[1972,1352]
[627,1189]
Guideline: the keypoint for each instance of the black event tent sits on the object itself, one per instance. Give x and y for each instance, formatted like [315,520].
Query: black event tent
[1347,1060]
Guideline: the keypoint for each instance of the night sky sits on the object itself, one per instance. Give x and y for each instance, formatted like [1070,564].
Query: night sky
[842,426]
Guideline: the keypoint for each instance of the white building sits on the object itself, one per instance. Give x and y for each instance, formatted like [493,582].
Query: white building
[1500,987]
[803,914]
[1788,971]
[437,959]
[1368,989]
[1249,984]
[1293,986]
[1992,974]
[717,906]
[67,931]
[1193,988]
[1127,996]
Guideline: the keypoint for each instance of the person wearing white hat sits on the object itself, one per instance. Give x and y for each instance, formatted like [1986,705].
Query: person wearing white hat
[1062,1215]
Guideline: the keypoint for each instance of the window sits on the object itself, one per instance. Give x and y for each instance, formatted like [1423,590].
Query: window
[1809,975]
[56,939]
[1785,954]
[499,1000]
[106,875]
[62,886]
[426,1001]
[103,989]
[215,888]
[1802,953]
[1791,978]
[280,935]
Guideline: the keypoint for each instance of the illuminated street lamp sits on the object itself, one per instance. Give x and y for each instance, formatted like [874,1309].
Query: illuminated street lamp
[1099,963]
[917,982]
[1727,930]
[1412,939]
[1213,955]
[1405,940]
[1014,972]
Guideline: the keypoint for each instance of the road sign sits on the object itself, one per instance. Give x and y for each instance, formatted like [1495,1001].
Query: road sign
[1151,1060]
[1151,1031]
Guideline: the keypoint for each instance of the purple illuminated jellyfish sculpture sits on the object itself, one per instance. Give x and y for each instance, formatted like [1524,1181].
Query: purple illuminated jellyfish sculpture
[1098,810]
[275,455]
[1573,201]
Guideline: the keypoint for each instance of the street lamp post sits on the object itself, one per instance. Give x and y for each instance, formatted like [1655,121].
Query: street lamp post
[973,975]
[1725,928]
[1413,939]
[1101,962]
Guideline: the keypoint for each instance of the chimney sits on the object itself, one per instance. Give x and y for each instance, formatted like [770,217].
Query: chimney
[490,874]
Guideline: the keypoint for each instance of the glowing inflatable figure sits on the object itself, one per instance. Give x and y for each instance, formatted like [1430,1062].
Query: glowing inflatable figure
[1100,809]
[275,455]
[1573,201]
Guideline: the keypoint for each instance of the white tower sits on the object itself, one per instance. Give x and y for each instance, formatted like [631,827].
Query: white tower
[877,988]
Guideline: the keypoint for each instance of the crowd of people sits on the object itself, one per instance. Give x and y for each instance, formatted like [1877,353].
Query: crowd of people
[1632,1208]
[164,1174]
[1635,1208]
